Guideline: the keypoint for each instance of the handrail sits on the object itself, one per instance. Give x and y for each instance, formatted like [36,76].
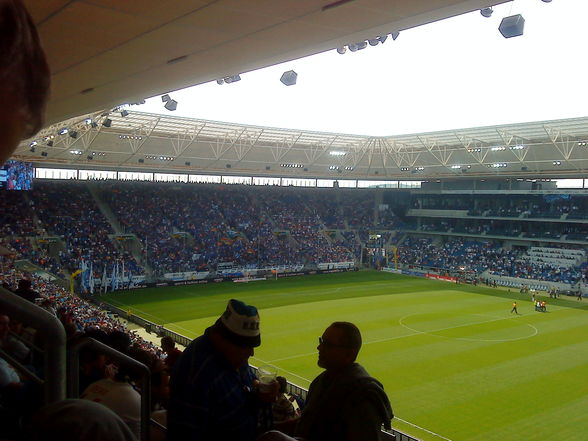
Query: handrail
[73,376]
[51,331]
[20,367]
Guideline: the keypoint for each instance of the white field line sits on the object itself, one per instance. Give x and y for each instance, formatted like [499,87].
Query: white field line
[414,332]
[422,428]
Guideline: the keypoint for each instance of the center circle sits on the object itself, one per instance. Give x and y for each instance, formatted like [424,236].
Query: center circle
[440,323]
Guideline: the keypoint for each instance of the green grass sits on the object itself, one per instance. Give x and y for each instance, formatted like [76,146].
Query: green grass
[452,358]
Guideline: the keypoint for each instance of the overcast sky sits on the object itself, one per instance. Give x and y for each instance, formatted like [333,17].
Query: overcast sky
[452,74]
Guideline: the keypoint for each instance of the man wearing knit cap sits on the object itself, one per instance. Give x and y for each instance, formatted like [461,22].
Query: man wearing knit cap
[212,390]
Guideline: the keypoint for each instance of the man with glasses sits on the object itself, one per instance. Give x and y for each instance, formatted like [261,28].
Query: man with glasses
[344,403]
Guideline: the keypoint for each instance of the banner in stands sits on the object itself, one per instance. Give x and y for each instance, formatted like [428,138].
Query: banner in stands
[188,275]
[392,270]
[414,273]
[438,277]
[335,265]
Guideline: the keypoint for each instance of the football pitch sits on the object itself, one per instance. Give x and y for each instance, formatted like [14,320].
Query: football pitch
[456,364]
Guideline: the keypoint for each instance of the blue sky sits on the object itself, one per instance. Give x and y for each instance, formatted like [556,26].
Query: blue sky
[451,74]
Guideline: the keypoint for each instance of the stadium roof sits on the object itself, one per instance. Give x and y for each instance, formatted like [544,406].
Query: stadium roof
[127,51]
[103,53]
[136,140]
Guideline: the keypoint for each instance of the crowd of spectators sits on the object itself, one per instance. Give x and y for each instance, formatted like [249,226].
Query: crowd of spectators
[69,211]
[459,255]
[101,378]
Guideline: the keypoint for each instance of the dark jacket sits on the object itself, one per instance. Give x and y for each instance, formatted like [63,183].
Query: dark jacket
[350,405]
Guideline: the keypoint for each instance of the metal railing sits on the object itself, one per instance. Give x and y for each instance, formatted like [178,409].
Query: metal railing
[73,376]
[51,331]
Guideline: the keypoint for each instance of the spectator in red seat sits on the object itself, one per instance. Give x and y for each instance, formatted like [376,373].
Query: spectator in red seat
[169,347]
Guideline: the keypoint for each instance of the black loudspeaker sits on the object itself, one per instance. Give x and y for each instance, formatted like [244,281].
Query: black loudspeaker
[512,26]
[141,160]
[524,168]
[228,166]
[43,153]
[267,167]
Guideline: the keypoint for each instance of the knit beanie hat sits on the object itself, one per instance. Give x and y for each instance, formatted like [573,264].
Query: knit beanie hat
[240,324]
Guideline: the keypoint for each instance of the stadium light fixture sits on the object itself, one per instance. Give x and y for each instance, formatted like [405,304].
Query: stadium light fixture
[289,78]
[63,131]
[337,153]
[341,50]
[373,41]
[165,98]
[171,105]
[512,26]
[382,38]
[361,45]
[233,79]
[395,35]
[220,81]
[486,12]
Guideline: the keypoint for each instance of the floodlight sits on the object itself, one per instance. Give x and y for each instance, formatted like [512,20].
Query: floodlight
[373,41]
[382,38]
[171,105]
[289,78]
[546,1]
[512,26]
[165,98]
[352,47]
[361,45]
[486,12]
[341,50]
[220,81]
[395,34]
[63,131]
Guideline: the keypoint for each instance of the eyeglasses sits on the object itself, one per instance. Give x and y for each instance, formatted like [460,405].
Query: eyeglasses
[326,343]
